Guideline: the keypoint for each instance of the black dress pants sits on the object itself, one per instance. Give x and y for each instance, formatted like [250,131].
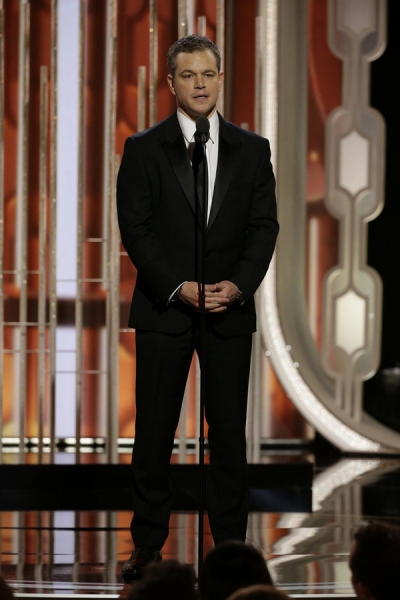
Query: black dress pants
[162,367]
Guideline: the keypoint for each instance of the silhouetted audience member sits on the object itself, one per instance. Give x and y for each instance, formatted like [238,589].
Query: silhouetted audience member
[259,592]
[165,580]
[229,566]
[6,592]
[375,561]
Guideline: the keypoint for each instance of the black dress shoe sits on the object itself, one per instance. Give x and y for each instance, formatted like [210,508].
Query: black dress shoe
[140,557]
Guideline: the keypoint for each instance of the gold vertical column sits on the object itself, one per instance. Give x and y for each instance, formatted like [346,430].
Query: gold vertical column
[202,25]
[79,251]
[259,61]
[111,546]
[220,41]
[182,18]
[114,320]
[266,124]
[1,221]
[22,209]
[141,116]
[254,405]
[43,158]
[38,567]
[112,308]
[183,29]
[53,229]
[153,68]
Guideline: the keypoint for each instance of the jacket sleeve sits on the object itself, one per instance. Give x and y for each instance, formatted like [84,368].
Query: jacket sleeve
[135,206]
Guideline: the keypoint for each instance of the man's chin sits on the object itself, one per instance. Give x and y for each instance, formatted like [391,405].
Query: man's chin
[202,113]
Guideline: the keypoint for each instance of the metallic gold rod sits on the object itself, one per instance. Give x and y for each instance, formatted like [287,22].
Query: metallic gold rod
[38,568]
[79,252]
[182,18]
[220,41]
[229,58]
[202,26]
[21,545]
[113,239]
[259,52]
[141,117]
[43,158]
[182,428]
[53,230]
[254,410]
[266,124]
[153,68]
[197,409]
[114,319]
[1,222]
[22,242]
[111,546]
[269,93]
[254,428]
[107,131]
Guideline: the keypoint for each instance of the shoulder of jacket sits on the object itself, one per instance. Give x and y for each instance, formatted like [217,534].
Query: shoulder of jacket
[230,129]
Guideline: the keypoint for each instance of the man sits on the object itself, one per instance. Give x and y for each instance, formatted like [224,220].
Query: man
[161,226]
[375,561]
[231,566]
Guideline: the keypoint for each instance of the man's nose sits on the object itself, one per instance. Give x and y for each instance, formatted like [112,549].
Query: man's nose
[199,82]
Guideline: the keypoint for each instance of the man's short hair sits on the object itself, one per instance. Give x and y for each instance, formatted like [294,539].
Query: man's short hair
[375,558]
[229,566]
[190,44]
[166,580]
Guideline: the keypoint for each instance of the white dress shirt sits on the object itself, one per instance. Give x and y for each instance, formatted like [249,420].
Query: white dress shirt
[189,129]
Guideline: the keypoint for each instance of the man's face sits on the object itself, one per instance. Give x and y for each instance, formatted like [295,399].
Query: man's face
[196,83]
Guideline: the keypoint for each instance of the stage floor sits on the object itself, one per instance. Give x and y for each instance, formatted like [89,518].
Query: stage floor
[61,539]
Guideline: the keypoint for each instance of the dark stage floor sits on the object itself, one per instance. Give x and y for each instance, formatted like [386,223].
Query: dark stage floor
[65,528]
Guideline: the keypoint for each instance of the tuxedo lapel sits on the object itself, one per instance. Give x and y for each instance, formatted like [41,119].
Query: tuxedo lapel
[228,153]
[175,149]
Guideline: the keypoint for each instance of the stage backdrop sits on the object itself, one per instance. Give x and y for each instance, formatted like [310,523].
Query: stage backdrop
[77,78]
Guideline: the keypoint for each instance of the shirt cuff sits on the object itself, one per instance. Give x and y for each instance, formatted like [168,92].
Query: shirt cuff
[175,294]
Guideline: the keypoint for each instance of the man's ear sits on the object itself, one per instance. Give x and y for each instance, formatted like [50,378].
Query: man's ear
[170,82]
[220,80]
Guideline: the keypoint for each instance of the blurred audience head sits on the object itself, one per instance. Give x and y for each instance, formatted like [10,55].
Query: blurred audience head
[259,592]
[230,566]
[6,592]
[165,580]
[375,561]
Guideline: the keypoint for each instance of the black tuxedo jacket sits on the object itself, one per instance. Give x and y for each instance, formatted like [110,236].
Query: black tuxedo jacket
[161,224]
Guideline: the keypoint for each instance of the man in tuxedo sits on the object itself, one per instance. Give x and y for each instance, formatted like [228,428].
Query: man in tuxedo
[177,308]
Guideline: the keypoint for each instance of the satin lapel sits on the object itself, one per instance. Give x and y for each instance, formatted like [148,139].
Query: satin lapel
[175,150]
[228,153]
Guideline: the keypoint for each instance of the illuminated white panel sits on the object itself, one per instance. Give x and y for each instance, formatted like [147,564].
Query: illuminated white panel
[353,174]
[67,145]
[65,382]
[359,15]
[64,536]
[67,198]
[350,322]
